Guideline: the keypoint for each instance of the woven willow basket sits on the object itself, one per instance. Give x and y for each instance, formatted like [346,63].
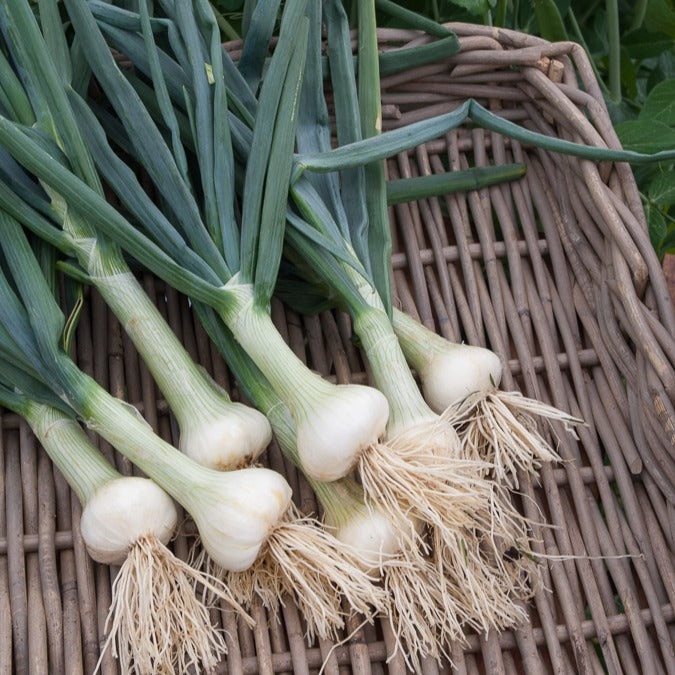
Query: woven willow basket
[556,274]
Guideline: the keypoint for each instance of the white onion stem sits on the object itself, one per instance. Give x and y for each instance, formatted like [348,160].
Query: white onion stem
[213,430]
[334,423]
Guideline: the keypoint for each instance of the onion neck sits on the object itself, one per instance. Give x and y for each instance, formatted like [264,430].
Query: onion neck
[71,450]
[417,342]
[191,395]
[124,428]
[283,427]
[407,407]
[253,328]
[341,500]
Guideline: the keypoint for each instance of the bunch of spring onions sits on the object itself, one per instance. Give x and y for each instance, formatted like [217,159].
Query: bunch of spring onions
[428,609]
[464,501]
[459,382]
[321,460]
[426,467]
[199,246]
[291,547]
[156,622]
[474,504]
[234,269]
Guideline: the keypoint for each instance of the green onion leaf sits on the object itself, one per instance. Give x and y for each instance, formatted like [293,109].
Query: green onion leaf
[258,35]
[258,167]
[421,187]
[370,109]
[392,142]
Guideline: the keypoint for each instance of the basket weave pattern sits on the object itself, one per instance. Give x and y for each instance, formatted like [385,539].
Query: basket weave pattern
[556,274]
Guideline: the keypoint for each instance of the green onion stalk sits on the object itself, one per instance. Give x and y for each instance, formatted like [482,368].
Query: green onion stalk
[240,514]
[156,622]
[213,429]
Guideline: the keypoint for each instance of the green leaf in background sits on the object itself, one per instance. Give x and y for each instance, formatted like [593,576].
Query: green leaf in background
[660,104]
[622,112]
[551,26]
[663,69]
[475,7]
[629,74]
[644,44]
[662,189]
[660,17]
[596,33]
[646,135]
[657,225]
[563,7]
[668,243]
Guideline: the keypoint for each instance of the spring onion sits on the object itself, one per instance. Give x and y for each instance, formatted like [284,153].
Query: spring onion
[423,617]
[462,382]
[156,622]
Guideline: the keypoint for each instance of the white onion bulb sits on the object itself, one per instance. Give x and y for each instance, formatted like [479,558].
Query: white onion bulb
[341,423]
[121,512]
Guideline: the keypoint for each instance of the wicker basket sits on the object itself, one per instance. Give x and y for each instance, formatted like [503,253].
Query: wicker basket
[554,272]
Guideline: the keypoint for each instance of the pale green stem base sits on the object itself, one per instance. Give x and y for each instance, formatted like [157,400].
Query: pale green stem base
[407,407]
[71,450]
[342,500]
[252,327]
[188,390]
[417,342]
[283,428]
[124,428]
